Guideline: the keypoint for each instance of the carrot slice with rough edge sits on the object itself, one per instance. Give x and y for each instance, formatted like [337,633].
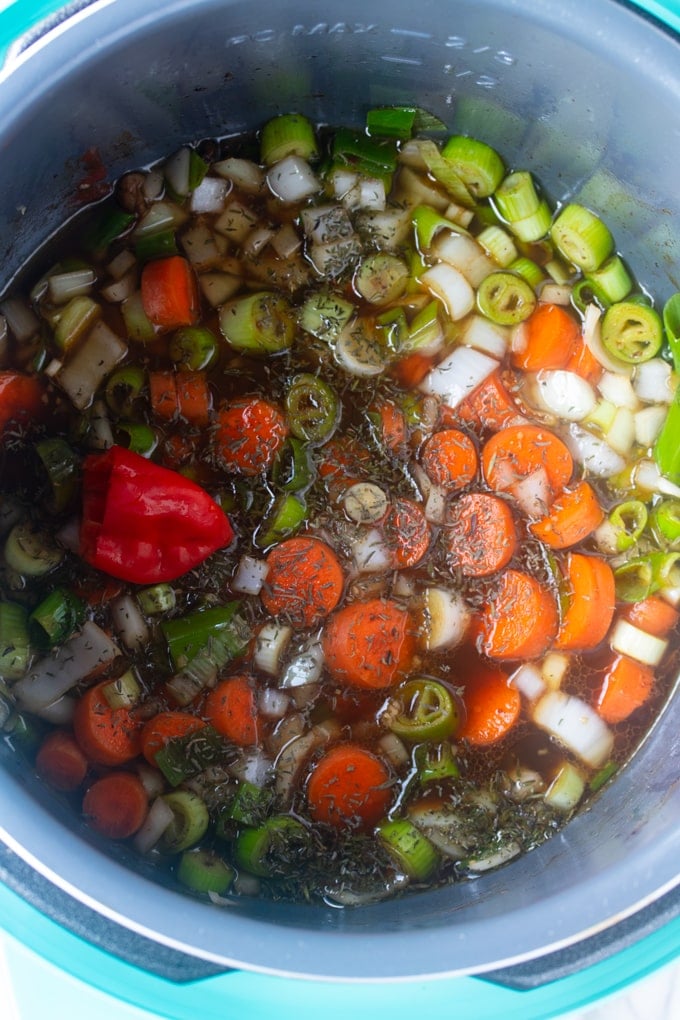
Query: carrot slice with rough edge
[164,727]
[584,363]
[410,370]
[450,459]
[163,395]
[518,451]
[574,515]
[304,581]
[627,685]
[492,707]
[116,805]
[23,399]
[249,433]
[194,400]
[551,335]
[60,761]
[520,619]
[107,736]
[231,708]
[654,615]
[369,644]
[480,536]
[391,426]
[349,787]
[342,463]
[406,532]
[170,292]
[491,405]
[591,602]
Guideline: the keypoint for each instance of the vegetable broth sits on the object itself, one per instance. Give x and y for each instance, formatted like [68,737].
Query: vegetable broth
[323,353]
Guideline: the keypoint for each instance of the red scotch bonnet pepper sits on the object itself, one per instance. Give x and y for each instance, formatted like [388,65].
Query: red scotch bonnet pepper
[145,523]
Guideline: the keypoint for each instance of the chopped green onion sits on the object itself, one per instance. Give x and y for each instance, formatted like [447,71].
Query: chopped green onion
[665,520]
[667,446]
[411,850]
[194,347]
[158,599]
[74,320]
[665,570]
[436,762]
[381,278]
[366,155]
[189,824]
[30,552]
[204,871]
[141,439]
[566,789]
[251,804]
[313,408]
[156,245]
[392,121]
[124,388]
[62,467]
[123,692]
[515,197]
[558,271]
[632,332]
[628,520]
[261,323]
[505,298]
[476,164]
[291,134]
[428,222]
[189,635]
[528,270]
[581,237]
[183,757]
[671,323]
[14,641]
[426,710]
[113,222]
[396,327]
[425,328]
[444,171]
[325,315]
[292,469]
[271,848]
[284,519]
[56,618]
[603,776]
[611,282]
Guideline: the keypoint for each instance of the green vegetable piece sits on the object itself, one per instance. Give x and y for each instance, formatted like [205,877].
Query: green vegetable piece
[313,408]
[436,762]
[149,246]
[74,320]
[665,521]
[476,164]
[426,711]
[188,635]
[56,618]
[194,347]
[123,692]
[428,222]
[124,389]
[667,446]
[366,155]
[633,580]
[528,269]
[251,805]
[611,282]
[291,134]
[62,467]
[14,641]
[183,757]
[137,323]
[629,520]
[396,327]
[272,848]
[284,519]
[671,324]
[158,599]
[582,238]
[505,298]
[261,323]
[204,871]
[515,197]
[189,824]
[411,850]
[30,552]
[632,332]
[141,439]
[381,278]
[603,776]
[113,222]
[292,470]
[325,315]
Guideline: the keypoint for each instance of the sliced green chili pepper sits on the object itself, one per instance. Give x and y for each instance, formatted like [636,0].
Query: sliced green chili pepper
[292,469]
[124,388]
[632,332]
[436,762]
[629,520]
[633,580]
[194,347]
[204,871]
[14,641]
[313,408]
[665,520]
[271,848]
[141,439]
[427,711]
[56,617]
[190,822]
[158,599]
[285,517]
[505,298]
[412,851]
[62,467]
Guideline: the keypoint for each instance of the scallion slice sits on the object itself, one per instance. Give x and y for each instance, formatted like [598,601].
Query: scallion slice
[188,635]
[381,278]
[141,439]
[30,552]
[291,134]
[665,520]
[671,323]
[313,408]
[62,467]
[611,282]
[515,197]
[284,519]
[628,520]
[581,237]
[292,469]
[124,387]
[528,269]
[158,599]
[194,347]
[56,618]
[190,822]
[271,848]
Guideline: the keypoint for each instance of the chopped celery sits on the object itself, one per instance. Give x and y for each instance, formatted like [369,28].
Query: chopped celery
[56,618]
[188,635]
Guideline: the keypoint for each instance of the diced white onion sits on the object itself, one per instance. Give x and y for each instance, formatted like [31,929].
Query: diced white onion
[648,476]
[63,286]
[176,171]
[22,321]
[394,750]
[593,340]
[286,241]
[372,194]
[554,668]
[292,180]
[621,432]
[573,723]
[566,394]
[447,618]
[250,575]
[158,819]
[252,766]
[528,680]
[69,535]
[451,287]
[60,712]
[200,246]
[627,639]
[120,289]
[161,216]
[236,221]
[257,239]
[121,264]
[486,336]
[273,703]
[494,858]
[370,552]
[436,505]
[151,779]
[465,254]
[388,229]
[100,435]
[294,754]
[555,294]
[648,423]
[305,668]
[210,195]
[593,452]
[245,174]
[342,181]
[532,493]
[323,223]
[85,370]
[653,381]
[566,789]
[618,389]
[270,646]
[219,287]
[129,623]
[458,375]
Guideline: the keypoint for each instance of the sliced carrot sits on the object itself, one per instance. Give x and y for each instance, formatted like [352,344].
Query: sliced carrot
[343,462]
[480,535]
[627,685]
[584,363]
[410,370]
[163,395]
[349,787]
[520,619]
[654,615]
[391,425]
[194,398]
[450,459]
[248,435]
[491,405]
[492,707]
[116,805]
[231,708]
[23,400]
[406,532]
[170,292]
[518,451]
[60,761]
[591,601]
[304,581]
[164,727]
[574,515]
[107,736]
[551,335]
[369,644]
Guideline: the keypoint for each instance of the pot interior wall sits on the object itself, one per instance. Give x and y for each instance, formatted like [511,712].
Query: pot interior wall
[588,96]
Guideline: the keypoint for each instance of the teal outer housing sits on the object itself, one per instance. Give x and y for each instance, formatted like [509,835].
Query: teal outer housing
[259,995]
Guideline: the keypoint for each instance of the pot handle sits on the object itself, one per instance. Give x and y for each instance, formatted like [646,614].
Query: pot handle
[25,22]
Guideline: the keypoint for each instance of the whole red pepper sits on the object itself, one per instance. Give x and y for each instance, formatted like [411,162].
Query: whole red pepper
[144,523]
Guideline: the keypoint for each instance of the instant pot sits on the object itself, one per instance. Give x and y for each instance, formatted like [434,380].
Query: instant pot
[586,93]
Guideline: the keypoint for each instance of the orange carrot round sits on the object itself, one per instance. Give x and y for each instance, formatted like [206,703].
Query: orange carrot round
[369,644]
[591,601]
[343,462]
[574,515]
[116,805]
[626,687]
[304,581]
[231,708]
[406,532]
[163,395]
[194,400]
[520,619]
[170,293]
[61,762]
[480,535]
[23,399]
[491,405]
[654,615]
[551,335]
[410,370]
[349,787]
[164,727]
[391,426]
[107,736]
[492,707]
[450,459]
[249,433]
[518,451]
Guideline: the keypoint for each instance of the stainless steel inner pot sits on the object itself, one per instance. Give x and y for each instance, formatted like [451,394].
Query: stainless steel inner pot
[585,94]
